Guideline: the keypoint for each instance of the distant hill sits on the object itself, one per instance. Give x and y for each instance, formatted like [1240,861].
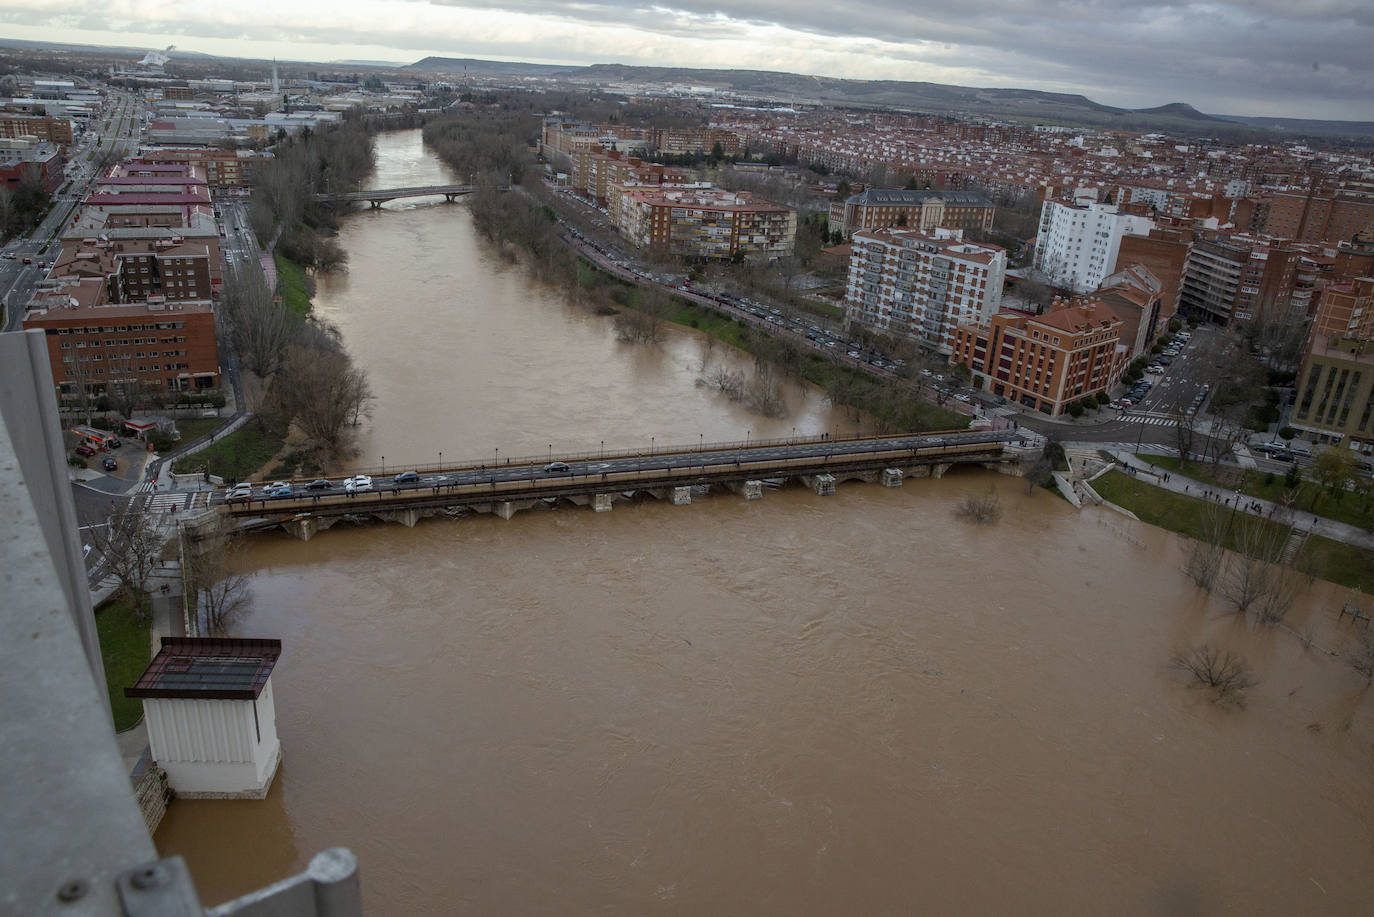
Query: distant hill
[487,67]
[1027,105]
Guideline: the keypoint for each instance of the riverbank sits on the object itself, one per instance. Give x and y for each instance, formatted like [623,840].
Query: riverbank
[1326,558]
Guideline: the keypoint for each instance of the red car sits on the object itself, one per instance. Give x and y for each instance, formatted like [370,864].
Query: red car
[84,449]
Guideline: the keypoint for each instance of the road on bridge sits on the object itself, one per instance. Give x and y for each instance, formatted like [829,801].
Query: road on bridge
[709,458]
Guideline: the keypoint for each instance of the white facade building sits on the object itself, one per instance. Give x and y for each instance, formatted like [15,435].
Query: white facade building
[1078,243]
[212,723]
[923,285]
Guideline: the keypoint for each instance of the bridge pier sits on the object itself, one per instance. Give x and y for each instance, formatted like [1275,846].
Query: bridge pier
[602,503]
[408,517]
[682,496]
[307,527]
[938,470]
[892,477]
[1011,468]
[750,490]
[822,484]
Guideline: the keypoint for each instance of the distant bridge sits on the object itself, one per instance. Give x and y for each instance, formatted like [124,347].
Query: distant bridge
[379,196]
[678,473]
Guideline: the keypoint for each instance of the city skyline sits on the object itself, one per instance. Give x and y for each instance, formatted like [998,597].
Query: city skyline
[1260,58]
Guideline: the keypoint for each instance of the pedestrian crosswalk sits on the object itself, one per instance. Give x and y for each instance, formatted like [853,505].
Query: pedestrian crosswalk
[1155,420]
[173,502]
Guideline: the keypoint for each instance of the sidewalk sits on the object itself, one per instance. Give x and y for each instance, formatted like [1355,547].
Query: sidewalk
[1302,521]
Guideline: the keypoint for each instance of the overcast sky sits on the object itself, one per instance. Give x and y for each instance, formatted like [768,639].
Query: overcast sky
[1292,58]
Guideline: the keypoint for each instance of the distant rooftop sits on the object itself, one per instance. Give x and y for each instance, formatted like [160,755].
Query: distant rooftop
[212,668]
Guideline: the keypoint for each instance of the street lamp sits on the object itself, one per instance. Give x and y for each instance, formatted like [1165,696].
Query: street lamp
[651,445]
[550,452]
[603,448]
[441,459]
[384,466]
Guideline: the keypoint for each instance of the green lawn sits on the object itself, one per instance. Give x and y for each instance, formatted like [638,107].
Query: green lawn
[295,292]
[1336,561]
[125,648]
[238,455]
[193,428]
[1352,508]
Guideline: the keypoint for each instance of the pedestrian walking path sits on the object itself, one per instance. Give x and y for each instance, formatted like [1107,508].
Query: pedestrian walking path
[1304,523]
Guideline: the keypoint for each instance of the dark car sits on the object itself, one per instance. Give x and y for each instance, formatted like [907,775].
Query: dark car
[319,484]
[113,442]
[557,468]
[406,477]
[84,449]
[1284,455]
[110,464]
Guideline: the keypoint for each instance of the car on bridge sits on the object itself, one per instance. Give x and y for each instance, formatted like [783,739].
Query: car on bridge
[239,492]
[320,484]
[406,477]
[357,482]
[280,489]
[557,468]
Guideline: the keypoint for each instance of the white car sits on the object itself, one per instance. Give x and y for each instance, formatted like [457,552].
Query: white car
[242,491]
[356,483]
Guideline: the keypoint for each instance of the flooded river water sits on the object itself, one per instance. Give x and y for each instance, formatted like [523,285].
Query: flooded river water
[796,705]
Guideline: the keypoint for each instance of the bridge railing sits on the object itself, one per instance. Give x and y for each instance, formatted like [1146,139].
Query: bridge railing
[497,457]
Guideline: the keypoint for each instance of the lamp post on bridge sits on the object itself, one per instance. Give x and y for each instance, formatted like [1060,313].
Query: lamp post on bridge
[651,445]
[441,459]
[603,448]
[384,466]
[550,452]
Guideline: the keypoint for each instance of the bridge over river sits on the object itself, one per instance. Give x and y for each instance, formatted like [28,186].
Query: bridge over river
[379,196]
[679,473]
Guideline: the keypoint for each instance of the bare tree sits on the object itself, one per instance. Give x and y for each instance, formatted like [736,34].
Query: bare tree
[261,326]
[1205,555]
[1225,673]
[1252,571]
[130,542]
[213,578]
[980,509]
[321,391]
[1361,656]
[764,393]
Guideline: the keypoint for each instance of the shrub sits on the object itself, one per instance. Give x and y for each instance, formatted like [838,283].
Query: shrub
[1103,398]
[1076,410]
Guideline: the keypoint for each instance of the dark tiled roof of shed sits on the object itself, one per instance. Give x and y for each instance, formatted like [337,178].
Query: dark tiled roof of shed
[215,668]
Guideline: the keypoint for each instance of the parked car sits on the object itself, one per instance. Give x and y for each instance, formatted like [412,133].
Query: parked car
[110,464]
[1115,405]
[406,477]
[85,450]
[1267,448]
[1285,455]
[113,442]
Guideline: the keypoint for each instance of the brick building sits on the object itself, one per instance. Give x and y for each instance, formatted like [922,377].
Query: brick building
[922,285]
[43,127]
[703,222]
[222,169]
[1335,388]
[1137,298]
[1319,214]
[1046,362]
[883,208]
[94,343]
[1239,278]
[594,172]
[136,268]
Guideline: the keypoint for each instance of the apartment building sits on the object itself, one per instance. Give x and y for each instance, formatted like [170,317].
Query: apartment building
[703,222]
[94,343]
[223,170]
[144,264]
[1335,400]
[1239,278]
[922,285]
[1078,244]
[42,127]
[1136,295]
[1045,362]
[884,208]
[1164,253]
[1319,214]
[594,172]
[27,160]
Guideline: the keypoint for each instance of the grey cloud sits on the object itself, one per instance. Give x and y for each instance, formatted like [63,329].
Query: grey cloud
[1251,53]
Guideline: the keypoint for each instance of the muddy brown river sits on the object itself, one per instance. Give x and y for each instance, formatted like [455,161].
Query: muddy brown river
[853,704]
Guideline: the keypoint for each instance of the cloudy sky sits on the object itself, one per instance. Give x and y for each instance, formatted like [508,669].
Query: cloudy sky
[1293,58]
